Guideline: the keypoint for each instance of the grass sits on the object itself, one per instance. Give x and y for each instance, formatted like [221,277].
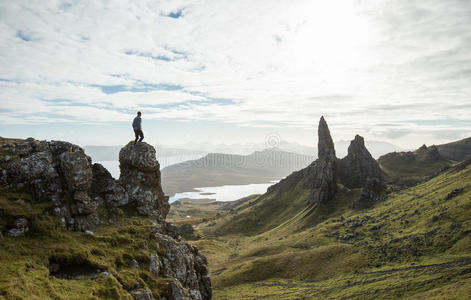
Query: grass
[410,167]
[413,245]
[24,260]
[24,263]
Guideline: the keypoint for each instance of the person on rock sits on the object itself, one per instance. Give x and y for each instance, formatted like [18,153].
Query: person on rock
[136,125]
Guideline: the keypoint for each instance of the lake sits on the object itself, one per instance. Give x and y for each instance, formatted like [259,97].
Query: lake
[225,192]
[216,193]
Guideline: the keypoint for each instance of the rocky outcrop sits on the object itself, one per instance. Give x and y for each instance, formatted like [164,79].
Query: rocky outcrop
[57,172]
[322,174]
[85,195]
[357,170]
[433,154]
[140,176]
[374,190]
[19,228]
[358,165]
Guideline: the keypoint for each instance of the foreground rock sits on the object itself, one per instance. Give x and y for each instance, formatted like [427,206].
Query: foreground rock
[84,196]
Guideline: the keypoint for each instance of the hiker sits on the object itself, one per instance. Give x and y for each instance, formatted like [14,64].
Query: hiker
[136,125]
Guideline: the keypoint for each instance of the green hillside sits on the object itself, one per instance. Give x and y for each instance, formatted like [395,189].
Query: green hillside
[415,244]
[412,167]
[457,151]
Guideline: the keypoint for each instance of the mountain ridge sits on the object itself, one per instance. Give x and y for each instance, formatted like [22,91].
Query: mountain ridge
[217,169]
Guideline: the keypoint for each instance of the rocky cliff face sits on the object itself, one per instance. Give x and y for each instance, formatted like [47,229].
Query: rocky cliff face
[358,165]
[356,170]
[84,196]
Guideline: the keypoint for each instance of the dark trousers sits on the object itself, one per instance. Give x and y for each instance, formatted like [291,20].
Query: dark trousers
[138,133]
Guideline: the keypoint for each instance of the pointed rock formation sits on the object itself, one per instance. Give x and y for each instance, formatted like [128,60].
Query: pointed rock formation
[358,165]
[322,178]
[325,144]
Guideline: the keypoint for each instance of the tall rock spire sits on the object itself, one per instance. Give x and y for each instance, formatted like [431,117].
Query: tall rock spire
[325,144]
[322,176]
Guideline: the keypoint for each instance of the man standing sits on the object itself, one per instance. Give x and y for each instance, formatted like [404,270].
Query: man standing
[136,125]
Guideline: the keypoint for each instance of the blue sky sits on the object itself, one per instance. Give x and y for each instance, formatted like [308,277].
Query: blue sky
[236,71]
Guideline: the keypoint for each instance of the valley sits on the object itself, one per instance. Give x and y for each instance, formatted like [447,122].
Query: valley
[412,242]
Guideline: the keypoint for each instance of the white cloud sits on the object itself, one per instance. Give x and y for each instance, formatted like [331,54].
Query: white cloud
[275,63]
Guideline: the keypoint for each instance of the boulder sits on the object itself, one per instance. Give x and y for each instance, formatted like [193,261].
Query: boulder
[77,170]
[142,294]
[19,227]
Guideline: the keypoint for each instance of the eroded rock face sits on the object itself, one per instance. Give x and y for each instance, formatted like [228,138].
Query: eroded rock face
[140,176]
[185,264]
[358,165]
[106,187]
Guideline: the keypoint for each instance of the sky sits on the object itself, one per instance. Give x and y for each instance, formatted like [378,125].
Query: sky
[236,71]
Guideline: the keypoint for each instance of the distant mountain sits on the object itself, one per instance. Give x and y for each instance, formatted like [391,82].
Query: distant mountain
[456,151]
[248,148]
[216,169]
[376,148]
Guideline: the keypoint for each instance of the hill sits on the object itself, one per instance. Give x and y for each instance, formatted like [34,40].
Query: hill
[413,166]
[457,151]
[413,245]
[217,169]
[319,233]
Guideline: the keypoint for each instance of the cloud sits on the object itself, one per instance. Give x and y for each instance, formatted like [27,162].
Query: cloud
[252,63]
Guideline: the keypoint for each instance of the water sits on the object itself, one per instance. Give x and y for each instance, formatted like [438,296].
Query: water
[216,193]
[225,192]
[113,165]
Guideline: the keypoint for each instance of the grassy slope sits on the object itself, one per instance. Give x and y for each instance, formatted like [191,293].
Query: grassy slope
[24,260]
[415,244]
[400,168]
[458,151]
